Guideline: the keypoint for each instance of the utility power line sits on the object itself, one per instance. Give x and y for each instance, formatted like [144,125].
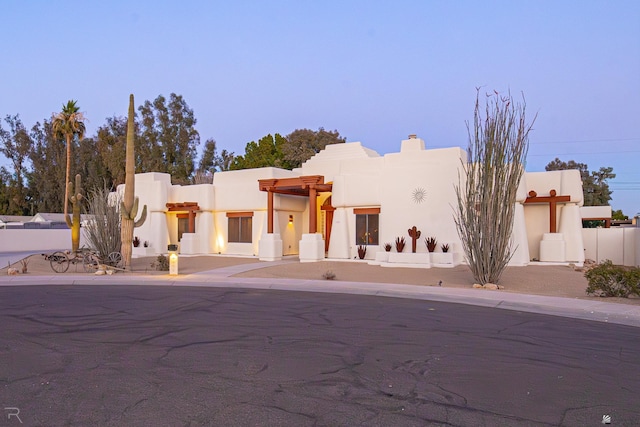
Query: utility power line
[584,140]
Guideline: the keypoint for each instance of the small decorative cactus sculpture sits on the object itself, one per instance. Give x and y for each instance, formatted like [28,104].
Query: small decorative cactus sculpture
[414,233]
[362,251]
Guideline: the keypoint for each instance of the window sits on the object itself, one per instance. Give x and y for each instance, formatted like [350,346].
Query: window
[183,226]
[240,227]
[367,221]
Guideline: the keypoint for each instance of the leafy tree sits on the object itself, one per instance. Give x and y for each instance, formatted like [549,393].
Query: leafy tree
[168,139]
[46,180]
[207,164]
[110,144]
[68,124]
[224,160]
[208,159]
[211,162]
[149,156]
[267,152]
[287,153]
[302,144]
[89,163]
[618,215]
[594,184]
[498,144]
[16,144]
[5,177]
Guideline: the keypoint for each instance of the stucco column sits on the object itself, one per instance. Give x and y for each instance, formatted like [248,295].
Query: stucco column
[313,210]
[340,236]
[571,228]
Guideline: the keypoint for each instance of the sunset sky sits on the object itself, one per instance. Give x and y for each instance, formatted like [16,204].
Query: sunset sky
[376,71]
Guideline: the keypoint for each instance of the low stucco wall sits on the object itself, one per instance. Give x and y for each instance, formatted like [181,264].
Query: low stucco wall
[36,240]
[621,245]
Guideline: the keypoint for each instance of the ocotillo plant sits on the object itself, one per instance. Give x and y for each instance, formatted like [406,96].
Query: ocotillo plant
[129,205]
[486,193]
[73,222]
[414,233]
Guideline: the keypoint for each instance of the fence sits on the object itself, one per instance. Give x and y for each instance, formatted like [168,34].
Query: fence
[621,245]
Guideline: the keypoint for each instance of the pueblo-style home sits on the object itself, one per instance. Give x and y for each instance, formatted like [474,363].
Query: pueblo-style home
[348,197]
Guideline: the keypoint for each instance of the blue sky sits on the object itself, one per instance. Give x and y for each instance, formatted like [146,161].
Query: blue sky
[376,71]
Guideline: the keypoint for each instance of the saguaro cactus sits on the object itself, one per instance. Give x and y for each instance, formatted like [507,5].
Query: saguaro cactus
[129,204]
[414,233]
[73,222]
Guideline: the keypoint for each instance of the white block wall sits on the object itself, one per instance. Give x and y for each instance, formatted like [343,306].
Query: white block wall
[621,245]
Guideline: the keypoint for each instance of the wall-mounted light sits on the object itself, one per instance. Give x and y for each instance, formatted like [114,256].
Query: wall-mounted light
[290,219]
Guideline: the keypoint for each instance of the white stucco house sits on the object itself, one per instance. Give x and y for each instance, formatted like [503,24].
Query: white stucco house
[348,195]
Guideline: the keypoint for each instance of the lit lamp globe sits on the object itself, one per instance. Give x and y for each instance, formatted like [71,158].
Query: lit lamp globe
[173,260]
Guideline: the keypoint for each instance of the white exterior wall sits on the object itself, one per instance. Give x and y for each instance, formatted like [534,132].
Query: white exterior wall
[389,183]
[590,241]
[611,244]
[629,255]
[435,172]
[152,190]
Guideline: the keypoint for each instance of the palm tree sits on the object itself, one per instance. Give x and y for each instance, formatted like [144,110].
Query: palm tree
[68,124]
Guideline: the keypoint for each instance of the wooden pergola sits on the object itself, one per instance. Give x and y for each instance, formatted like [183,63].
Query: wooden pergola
[307,186]
[552,199]
[190,208]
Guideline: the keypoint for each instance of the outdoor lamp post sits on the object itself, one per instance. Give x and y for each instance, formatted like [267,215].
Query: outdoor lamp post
[173,260]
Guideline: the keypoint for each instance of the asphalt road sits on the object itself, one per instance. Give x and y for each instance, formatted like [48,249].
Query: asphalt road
[161,356]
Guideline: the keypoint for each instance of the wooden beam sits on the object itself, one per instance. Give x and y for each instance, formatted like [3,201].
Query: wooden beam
[313,210]
[366,211]
[270,212]
[238,214]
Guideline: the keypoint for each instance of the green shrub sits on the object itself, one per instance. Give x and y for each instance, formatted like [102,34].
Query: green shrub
[329,275]
[608,280]
[161,263]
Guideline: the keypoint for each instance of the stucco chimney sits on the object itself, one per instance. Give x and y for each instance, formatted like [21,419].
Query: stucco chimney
[412,144]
